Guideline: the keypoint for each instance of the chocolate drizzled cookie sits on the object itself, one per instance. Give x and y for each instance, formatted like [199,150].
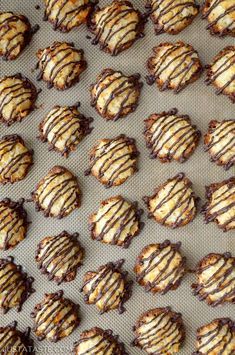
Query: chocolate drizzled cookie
[215,283]
[159,331]
[13,223]
[115,94]
[15,285]
[220,142]
[171,136]
[60,256]
[15,34]
[116,26]
[220,15]
[17,98]
[171,16]
[13,341]
[216,337]
[160,267]
[173,66]
[58,193]
[55,317]
[15,159]
[113,161]
[220,207]
[64,15]
[108,287]
[174,203]
[64,128]
[60,65]
[99,341]
[116,222]
[220,73]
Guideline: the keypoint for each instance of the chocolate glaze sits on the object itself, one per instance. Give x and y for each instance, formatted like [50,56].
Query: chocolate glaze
[18,216]
[105,270]
[10,288]
[9,339]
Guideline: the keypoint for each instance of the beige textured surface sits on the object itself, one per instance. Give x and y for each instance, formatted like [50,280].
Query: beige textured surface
[198,239]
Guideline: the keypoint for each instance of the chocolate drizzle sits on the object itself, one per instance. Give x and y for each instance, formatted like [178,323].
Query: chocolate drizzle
[118,20]
[60,256]
[120,221]
[120,151]
[55,317]
[15,285]
[15,159]
[216,279]
[108,288]
[162,269]
[64,127]
[167,133]
[13,223]
[11,339]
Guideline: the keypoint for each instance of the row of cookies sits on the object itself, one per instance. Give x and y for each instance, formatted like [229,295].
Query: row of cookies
[117,25]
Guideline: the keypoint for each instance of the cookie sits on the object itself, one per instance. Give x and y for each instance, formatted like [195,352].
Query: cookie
[160,267]
[116,26]
[115,95]
[15,34]
[216,337]
[13,341]
[220,15]
[173,204]
[220,207]
[58,193]
[108,288]
[15,285]
[170,16]
[65,15]
[99,341]
[60,256]
[116,222]
[170,136]
[113,161]
[220,73]
[159,331]
[173,66]
[17,98]
[15,159]
[60,65]
[220,142]
[64,128]
[13,223]
[55,318]
[215,279]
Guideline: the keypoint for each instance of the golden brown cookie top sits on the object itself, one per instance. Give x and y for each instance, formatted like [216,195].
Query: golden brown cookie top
[220,142]
[108,288]
[171,136]
[215,283]
[58,193]
[216,337]
[220,207]
[12,340]
[17,98]
[115,94]
[160,267]
[173,66]
[55,317]
[113,161]
[60,65]
[220,15]
[170,16]
[116,26]
[13,223]
[159,331]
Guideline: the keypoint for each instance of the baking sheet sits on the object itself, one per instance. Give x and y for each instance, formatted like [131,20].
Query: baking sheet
[198,239]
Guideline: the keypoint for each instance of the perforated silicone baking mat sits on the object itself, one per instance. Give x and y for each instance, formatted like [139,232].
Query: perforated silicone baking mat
[198,239]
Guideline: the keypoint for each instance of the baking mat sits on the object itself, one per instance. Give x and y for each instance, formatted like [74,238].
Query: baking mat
[198,239]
